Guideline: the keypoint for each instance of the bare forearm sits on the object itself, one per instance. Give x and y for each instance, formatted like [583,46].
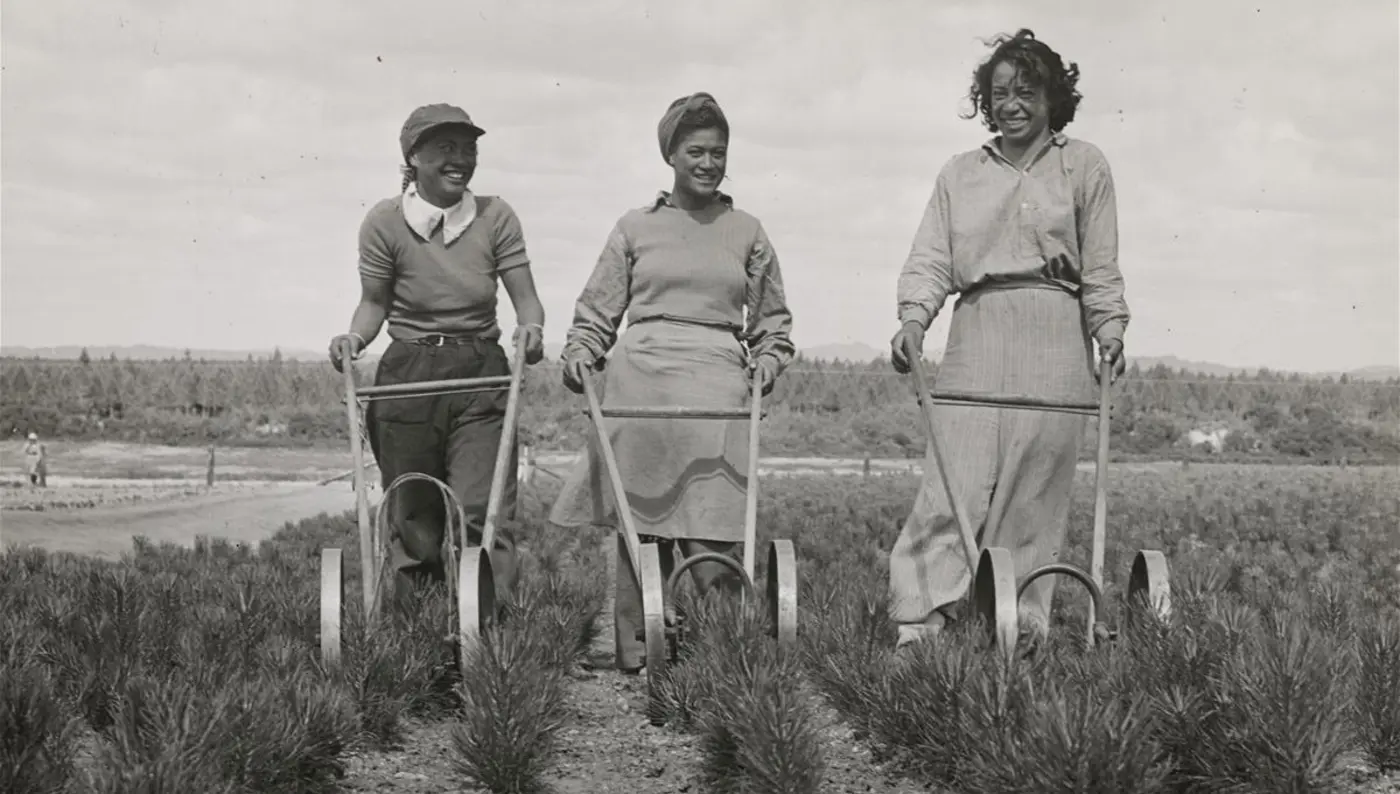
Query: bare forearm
[367,320]
[530,312]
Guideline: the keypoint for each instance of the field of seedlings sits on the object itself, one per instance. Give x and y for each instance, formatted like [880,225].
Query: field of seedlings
[197,669]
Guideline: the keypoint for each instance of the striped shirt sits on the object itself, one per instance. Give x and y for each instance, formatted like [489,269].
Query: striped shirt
[713,266]
[991,224]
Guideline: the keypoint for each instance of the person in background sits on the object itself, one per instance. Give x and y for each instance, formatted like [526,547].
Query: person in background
[684,269]
[430,259]
[1025,230]
[35,461]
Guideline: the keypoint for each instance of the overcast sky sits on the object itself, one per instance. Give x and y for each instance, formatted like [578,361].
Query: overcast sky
[193,173]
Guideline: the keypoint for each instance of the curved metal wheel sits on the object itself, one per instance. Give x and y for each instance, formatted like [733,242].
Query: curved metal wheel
[476,597]
[782,593]
[454,537]
[994,597]
[1101,631]
[685,565]
[1149,580]
[332,595]
[653,625]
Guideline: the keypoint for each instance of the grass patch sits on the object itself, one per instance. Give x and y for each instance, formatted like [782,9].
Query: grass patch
[759,729]
[1253,685]
[197,669]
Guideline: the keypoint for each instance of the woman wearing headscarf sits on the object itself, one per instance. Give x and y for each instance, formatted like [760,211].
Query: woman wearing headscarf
[430,261]
[1024,229]
[700,286]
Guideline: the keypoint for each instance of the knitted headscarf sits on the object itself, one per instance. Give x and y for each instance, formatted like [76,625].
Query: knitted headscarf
[671,121]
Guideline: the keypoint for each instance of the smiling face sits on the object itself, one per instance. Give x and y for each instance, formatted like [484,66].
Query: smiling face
[699,159]
[1020,109]
[444,163]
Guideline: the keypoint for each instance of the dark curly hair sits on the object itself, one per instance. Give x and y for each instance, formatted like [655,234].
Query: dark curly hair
[1039,66]
[702,118]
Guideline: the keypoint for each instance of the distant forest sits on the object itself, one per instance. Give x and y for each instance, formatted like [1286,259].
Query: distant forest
[819,408]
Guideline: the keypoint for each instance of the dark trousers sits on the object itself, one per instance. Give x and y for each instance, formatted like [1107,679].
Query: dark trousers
[451,437]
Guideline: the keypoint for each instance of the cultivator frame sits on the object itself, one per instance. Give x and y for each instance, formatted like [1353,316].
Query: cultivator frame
[661,623]
[993,593]
[470,580]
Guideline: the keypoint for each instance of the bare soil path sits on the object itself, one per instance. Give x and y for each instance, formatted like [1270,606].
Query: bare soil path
[245,514]
[607,747]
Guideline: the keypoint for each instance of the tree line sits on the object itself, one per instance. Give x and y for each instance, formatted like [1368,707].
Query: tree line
[817,408]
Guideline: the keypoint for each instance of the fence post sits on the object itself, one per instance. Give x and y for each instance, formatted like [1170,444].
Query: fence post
[866,469]
[209,473]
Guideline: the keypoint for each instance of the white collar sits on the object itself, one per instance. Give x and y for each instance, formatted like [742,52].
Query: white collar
[423,217]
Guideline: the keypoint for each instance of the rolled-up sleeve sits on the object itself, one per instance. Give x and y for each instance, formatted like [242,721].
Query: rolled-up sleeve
[508,243]
[1105,310]
[376,263]
[927,276]
[599,309]
[769,331]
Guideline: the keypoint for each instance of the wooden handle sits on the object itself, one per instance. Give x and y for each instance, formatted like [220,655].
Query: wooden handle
[623,507]
[916,367]
[673,412]
[751,492]
[995,400]
[503,450]
[1100,487]
[368,570]
[425,387]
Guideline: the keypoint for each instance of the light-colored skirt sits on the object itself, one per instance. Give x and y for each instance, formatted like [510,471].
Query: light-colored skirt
[684,478]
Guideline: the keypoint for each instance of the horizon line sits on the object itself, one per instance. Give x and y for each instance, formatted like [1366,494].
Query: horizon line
[7,351]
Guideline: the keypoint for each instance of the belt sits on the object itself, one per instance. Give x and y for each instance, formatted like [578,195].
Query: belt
[438,340]
[1014,284]
[718,325]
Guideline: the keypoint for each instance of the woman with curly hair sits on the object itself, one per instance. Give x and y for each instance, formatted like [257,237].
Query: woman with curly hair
[699,283]
[1025,230]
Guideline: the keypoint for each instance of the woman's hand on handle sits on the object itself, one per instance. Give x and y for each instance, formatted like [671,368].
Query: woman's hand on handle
[357,346]
[909,340]
[575,370]
[765,369]
[1111,353]
[531,335]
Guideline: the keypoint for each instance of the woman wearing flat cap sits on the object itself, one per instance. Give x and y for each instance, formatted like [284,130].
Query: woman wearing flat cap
[699,284]
[1025,229]
[430,259]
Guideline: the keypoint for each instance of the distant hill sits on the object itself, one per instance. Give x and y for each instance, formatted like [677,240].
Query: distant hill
[152,352]
[1375,373]
[855,352]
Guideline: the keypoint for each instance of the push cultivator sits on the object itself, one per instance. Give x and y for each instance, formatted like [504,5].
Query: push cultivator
[470,583]
[660,620]
[994,593]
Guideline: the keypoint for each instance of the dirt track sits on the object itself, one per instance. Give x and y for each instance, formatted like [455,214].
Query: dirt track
[248,515]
